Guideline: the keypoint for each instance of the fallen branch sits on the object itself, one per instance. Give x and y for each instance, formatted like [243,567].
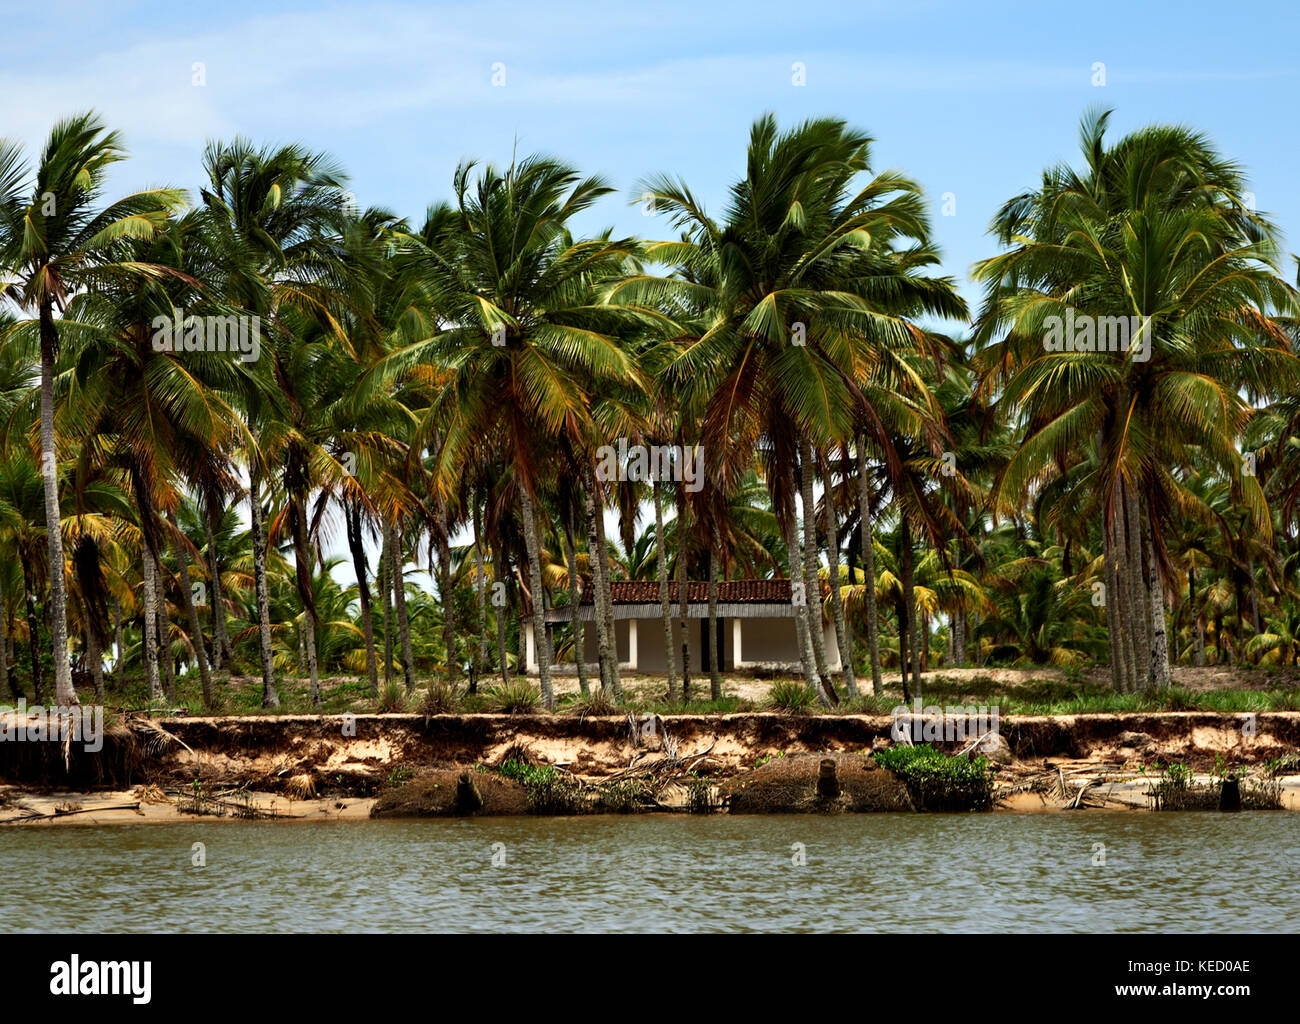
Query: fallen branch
[83,810]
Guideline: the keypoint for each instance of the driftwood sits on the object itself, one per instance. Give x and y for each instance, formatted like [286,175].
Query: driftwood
[81,810]
[665,769]
[971,746]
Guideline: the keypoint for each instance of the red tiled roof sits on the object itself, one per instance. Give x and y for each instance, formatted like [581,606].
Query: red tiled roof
[697,591]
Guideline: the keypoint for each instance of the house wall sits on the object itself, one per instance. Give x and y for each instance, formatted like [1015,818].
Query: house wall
[763,641]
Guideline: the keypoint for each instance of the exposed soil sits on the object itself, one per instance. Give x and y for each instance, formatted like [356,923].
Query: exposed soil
[435,796]
[316,761]
[788,785]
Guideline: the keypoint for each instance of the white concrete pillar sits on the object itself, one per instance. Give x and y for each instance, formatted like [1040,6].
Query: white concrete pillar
[737,659]
[832,647]
[631,644]
[530,650]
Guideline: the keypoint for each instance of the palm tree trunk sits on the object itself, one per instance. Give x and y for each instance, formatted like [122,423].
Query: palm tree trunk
[683,591]
[222,653]
[605,582]
[1138,606]
[396,562]
[119,639]
[800,596]
[575,623]
[302,558]
[1123,597]
[33,629]
[191,612]
[812,579]
[480,579]
[1159,628]
[445,592]
[715,647]
[541,639]
[909,603]
[807,659]
[1197,622]
[1254,602]
[5,682]
[868,564]
[843,638]
[96,655]
[1120,665]
[602,599]
[150,624]
[356,546]
[164,631]
[925,641]
[64,694]
[270,696]
[665,605]
[499,572]
[385,580]
[1124,593]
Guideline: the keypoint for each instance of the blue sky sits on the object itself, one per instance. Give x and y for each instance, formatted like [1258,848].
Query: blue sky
[972,99]
[968,98]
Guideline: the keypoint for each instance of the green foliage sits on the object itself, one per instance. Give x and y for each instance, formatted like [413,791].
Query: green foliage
[790,695]
[550,791]
[516,697]
[440,698]
[937,782]
[392,698]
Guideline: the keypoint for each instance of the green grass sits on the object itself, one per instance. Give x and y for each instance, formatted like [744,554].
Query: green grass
[1033,696]
[1065,697]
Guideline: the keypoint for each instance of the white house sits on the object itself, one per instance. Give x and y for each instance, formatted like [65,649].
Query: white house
[756,627]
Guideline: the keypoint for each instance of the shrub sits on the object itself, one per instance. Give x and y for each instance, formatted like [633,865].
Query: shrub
[597,703]
[392,698]
[440,698]
[515,697]
[790,695]
[937,782]
[550,791]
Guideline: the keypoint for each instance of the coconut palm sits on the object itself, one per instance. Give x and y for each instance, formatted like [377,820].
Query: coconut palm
[781,320]
[1153,228]
[525,336]
[58,237]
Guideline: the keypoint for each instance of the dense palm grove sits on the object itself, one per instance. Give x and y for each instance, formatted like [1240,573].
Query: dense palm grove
[432,397]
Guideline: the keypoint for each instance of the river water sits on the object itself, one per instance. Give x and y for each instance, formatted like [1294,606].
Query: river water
[1125,871]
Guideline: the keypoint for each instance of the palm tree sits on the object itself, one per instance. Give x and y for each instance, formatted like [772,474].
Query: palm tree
[56,239]
[272,217]
[525,337]
[1153,228]
[780,319]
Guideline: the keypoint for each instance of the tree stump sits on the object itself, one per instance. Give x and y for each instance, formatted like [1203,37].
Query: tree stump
[828,785]
[468,798]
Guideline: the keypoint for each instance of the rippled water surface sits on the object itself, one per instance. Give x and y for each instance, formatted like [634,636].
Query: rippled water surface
[999,872]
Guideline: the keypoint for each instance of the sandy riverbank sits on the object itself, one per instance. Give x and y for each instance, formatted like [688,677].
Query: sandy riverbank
[332,767]
[125,807]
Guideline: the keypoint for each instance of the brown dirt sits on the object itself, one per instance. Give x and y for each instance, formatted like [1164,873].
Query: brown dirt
[298,755]
[788,785]
[434,796]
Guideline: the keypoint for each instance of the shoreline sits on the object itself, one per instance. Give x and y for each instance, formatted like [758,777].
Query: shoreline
[334,767]
[1123,799]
